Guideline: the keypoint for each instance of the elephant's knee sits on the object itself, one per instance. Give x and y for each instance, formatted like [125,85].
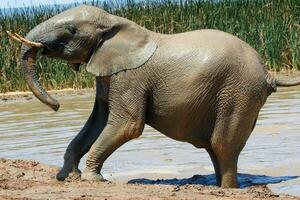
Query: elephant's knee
[133,129]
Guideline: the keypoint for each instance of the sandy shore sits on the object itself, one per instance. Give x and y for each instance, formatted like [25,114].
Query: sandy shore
[20,179]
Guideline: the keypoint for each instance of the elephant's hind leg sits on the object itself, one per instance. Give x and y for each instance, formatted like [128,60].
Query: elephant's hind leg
[81,144]
[228,139]
[215,162]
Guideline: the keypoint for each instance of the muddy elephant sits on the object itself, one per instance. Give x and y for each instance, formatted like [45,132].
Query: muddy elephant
[204,87]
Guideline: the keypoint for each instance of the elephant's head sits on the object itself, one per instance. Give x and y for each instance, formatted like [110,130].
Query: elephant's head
[85,34]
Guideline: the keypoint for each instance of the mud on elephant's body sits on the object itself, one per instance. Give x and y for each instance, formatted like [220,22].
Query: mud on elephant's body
[204,87]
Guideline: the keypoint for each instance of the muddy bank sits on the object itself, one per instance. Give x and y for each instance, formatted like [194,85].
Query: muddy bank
[27,96]
[20,179]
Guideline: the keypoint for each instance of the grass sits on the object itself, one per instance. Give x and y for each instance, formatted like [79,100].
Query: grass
[272,27]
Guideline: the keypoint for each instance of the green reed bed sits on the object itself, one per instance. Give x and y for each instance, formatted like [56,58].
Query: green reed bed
[272,27]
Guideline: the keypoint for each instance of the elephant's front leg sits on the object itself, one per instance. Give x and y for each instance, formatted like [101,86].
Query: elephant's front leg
[121,127]
[81,144]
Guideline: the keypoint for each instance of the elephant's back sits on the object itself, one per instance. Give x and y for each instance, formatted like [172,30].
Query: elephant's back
[206,47]
[209,38]
[208,54]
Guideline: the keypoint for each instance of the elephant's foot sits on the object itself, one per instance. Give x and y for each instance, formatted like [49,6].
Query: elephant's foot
[91,176]
[65,172]
[75,174]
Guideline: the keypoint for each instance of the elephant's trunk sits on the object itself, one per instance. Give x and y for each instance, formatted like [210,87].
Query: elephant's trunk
[28,59]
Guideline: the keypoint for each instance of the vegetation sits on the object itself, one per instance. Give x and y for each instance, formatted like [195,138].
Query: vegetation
[272,27]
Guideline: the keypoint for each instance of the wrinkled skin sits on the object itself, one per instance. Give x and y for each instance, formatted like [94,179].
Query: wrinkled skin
[204,87]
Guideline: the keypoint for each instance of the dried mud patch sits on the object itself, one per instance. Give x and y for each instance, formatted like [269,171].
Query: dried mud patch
[20,179]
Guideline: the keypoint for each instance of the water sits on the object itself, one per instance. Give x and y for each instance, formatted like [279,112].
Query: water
[29,130]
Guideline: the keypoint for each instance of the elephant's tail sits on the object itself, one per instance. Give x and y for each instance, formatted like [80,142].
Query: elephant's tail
[275,82]
[287,83]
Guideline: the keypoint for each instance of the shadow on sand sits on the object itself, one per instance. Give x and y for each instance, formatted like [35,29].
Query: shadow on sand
[245,180]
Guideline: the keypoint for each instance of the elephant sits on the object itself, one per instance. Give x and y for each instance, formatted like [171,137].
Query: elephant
[204,87]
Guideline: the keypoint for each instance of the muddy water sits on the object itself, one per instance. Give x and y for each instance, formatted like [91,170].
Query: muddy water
[29,130]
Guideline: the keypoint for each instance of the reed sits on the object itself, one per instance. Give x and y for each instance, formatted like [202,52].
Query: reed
[272,27]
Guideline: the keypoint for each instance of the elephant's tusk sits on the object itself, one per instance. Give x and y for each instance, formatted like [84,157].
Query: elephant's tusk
[19,38]
[12,36]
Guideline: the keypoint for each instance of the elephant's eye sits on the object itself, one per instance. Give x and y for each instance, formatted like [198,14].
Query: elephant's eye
[62,44]
[72,29]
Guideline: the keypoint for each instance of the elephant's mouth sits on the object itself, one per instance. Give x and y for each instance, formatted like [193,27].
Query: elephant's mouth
[46,51]
[75,66]
[50,52]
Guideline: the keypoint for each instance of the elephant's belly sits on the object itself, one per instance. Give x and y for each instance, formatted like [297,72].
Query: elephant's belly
[182,107]
[182,126]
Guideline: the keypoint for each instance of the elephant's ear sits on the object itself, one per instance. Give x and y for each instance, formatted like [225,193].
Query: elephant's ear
[124,47]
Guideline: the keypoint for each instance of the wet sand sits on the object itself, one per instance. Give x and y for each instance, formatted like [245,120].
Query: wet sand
[21,179]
